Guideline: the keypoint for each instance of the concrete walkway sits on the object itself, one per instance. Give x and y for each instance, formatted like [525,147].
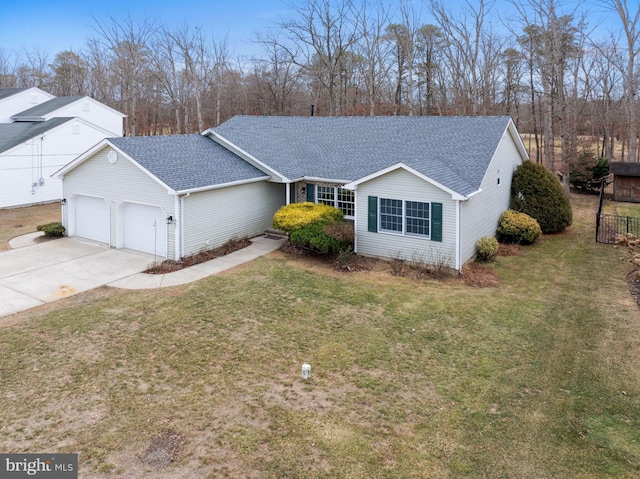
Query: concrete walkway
[260,246]
[32,273]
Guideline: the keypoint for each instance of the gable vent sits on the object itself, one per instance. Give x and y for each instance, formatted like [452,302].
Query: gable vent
[75,129]
[86,106]
[34,98]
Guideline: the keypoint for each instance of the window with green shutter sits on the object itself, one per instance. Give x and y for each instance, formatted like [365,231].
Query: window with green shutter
[411,218]
[373,214]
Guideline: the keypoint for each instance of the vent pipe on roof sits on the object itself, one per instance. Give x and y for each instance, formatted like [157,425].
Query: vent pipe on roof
[313,109]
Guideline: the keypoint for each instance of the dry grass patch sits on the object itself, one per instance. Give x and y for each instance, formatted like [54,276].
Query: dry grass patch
[19,221]
[479,276]
[409,378]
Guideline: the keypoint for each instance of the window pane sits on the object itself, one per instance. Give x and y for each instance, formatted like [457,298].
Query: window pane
[417,218]
[325,195]
[390,215]
[346,201]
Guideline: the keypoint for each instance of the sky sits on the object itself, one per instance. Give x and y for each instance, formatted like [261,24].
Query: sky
[54,26]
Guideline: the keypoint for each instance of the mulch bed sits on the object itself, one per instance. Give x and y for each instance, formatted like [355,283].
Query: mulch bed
[169,266]
[633,280]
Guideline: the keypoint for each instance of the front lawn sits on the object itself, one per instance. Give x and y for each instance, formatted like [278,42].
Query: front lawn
[18,221]
[535,378]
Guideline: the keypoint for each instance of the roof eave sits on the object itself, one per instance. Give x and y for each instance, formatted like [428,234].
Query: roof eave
[28,118]
[222,185]
[323,180]
[454,194]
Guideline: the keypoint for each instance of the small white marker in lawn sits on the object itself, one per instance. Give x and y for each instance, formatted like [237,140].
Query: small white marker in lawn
[306,371]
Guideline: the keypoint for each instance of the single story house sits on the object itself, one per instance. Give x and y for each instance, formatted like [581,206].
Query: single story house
[416,188]
[40,133]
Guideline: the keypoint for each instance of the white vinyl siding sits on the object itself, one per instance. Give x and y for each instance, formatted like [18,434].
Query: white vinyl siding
[480,214]
[402,185]
[211,218]
[20,102]
[118,184]
[36,160]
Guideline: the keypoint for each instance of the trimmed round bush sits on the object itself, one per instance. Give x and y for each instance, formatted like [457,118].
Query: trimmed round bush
[298,215]
[536,192]
[486,248]
[516,227]
[52,229]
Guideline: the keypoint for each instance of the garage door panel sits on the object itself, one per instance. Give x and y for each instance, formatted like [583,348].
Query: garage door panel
[92,218]
[145,229]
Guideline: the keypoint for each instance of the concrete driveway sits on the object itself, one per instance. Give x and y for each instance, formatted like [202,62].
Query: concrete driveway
[48,271]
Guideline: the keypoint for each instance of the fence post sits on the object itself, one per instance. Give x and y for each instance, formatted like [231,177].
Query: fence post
[599,212]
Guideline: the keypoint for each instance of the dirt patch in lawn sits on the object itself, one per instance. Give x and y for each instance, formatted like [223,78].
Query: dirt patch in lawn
[163,449]
[479,275]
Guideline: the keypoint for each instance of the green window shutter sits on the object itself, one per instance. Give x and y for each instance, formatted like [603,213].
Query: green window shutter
[311,192]
[436,221]
[373,214]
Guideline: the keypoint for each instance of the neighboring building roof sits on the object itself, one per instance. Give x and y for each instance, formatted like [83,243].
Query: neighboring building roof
[453,151]
[45,108]
[7,92]
[13,134]
[624,168]
[187,162]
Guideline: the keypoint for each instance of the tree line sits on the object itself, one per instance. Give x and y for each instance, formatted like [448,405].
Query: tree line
[570,86]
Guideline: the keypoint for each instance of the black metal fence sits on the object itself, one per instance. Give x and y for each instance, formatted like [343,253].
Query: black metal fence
[608,227]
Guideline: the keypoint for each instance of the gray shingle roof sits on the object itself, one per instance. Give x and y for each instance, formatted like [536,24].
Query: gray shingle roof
[454,151]
[47,107]
[7,92]
[185,162]
[12,134]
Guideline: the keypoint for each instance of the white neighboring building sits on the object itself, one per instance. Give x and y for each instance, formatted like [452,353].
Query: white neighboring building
[39,134]
[14,100]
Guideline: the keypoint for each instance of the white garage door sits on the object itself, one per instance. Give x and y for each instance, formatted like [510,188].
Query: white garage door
[91,218]
[145,229]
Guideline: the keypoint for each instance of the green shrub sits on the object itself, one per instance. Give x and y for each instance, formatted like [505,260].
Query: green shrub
[516,227]
[586,171]
[486,248]
[322,238]
[537,193]
[298,215]
[313,238]
[52,229]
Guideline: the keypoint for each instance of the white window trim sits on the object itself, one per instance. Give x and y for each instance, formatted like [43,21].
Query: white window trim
[336,198]
[404,219]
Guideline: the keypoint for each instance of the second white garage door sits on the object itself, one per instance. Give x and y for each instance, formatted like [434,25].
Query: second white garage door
[144,229]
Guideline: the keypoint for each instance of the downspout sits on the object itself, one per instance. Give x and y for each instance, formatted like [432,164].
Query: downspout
[177,218]
[287,188]
[458,237]
[181,224]
[355,219]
